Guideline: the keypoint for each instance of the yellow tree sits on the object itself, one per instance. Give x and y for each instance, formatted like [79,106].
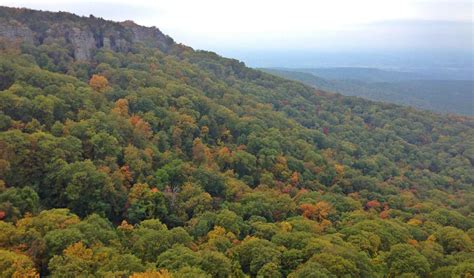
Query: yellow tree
[99,83]
[121,107]
[201,153]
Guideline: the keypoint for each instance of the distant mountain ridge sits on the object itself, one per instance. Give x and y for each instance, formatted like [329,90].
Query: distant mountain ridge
[363,74]
[412,89]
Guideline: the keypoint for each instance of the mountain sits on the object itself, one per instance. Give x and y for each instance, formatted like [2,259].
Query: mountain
[371,75]
[125,154]
[411,89]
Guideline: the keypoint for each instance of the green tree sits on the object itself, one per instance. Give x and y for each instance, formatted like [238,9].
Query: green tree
[453,240]
[145,203]
[254,253]
[15,202]
[404,258]
[216,264]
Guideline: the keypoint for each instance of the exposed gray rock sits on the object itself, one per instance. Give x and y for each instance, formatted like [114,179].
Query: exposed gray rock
[14,30]
[83,43]
[106,44]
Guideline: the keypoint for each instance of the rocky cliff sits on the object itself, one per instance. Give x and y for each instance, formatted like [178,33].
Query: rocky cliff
[82,35]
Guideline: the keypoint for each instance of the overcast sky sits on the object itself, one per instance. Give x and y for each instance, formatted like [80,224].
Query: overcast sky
[221,25]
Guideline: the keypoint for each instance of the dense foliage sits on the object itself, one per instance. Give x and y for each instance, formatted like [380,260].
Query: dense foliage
[143,163]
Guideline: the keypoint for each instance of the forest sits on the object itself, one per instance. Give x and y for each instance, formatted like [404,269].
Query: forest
[157,160]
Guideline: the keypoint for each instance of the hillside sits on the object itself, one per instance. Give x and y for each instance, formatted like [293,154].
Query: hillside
[444,96]
[123,153]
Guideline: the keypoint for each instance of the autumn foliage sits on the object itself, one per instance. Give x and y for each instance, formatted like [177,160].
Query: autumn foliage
[182,163]
[373,204]
[98,83]
[319,212]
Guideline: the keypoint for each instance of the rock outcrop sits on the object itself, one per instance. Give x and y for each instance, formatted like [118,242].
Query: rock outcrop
[14,30]
[85,37]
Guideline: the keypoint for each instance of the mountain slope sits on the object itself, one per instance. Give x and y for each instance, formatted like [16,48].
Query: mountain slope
[155,156]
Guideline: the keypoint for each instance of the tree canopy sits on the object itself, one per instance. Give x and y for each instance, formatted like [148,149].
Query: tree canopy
[170,162]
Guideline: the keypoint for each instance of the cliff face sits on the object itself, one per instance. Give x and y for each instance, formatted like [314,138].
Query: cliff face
[14,30]
[83,35]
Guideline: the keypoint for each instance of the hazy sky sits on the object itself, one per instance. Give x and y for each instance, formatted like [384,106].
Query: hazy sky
[283,24]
